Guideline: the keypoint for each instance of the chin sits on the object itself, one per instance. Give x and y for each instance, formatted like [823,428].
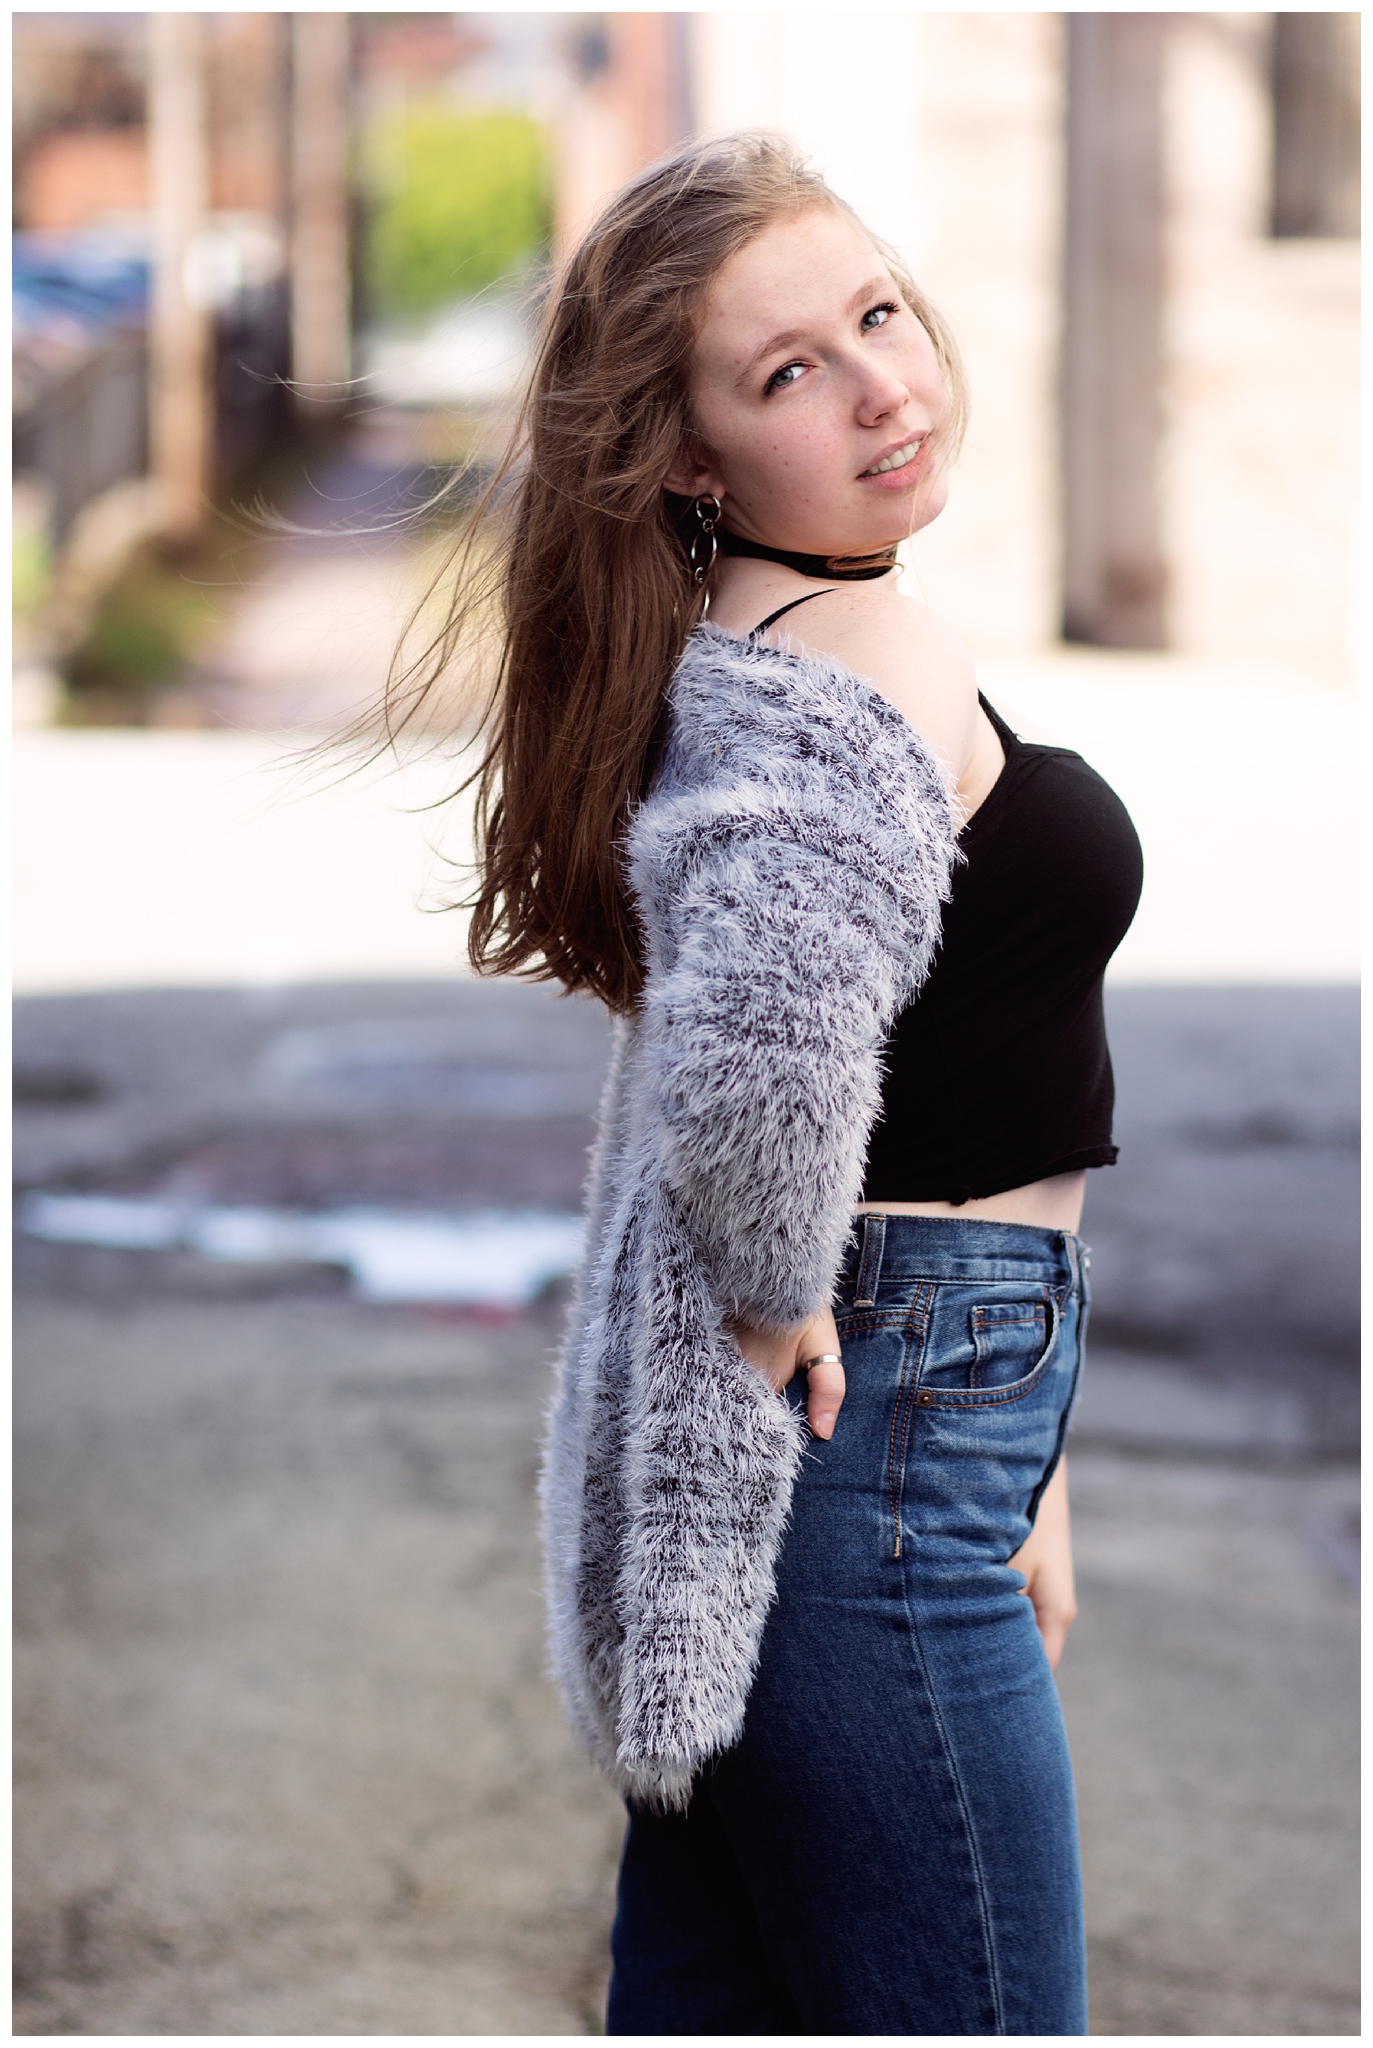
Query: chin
[929,506]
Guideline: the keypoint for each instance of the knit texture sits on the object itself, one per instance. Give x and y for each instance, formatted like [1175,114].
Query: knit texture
[788,868]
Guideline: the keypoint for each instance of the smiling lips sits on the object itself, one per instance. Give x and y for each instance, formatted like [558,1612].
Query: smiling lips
[898,458]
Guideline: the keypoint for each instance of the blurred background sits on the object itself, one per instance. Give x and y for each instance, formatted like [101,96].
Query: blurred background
[297,1197]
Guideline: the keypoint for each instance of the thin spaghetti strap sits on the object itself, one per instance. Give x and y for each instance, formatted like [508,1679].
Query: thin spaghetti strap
[773,617]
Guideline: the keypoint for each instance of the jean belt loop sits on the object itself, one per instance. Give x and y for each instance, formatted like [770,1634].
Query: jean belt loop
[870,1260]
[1073,1247]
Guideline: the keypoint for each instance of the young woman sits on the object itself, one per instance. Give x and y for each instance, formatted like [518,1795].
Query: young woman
[804,1465]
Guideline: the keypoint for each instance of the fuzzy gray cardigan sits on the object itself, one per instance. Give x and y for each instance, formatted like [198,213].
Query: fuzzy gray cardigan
[788,868]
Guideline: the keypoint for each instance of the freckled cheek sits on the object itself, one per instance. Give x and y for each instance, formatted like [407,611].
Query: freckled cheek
[801,457]
[791,457]
[765,462]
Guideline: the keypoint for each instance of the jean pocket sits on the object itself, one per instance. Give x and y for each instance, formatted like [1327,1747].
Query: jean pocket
[990,1350]
[1009,1339]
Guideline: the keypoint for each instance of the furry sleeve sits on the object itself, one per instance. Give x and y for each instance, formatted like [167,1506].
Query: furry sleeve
[803,912]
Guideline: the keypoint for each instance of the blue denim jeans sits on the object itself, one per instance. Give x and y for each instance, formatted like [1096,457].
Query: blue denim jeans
[891,1846]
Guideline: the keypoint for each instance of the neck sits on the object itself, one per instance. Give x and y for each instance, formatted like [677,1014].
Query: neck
[825,568]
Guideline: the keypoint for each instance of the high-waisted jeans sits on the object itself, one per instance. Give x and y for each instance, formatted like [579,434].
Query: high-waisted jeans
[891,1846]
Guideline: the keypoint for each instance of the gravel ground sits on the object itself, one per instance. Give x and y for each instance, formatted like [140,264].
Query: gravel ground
[1211,1689]
[288,1762]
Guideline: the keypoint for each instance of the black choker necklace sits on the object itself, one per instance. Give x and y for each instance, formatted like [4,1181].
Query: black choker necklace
[827,568]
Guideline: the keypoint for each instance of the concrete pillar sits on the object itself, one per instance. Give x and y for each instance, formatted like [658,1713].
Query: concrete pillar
[1112,374]
[249,77]
[1263,359]
[1315,67]
[320,296]
[989,181]
[648,61]
[180,399]
[634,105]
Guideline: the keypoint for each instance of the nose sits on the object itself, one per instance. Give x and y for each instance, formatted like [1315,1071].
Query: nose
[880,391]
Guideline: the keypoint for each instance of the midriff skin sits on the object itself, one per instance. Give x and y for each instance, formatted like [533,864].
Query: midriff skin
[1052,1204]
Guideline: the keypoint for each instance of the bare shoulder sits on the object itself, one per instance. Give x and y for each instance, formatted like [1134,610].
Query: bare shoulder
[906,651]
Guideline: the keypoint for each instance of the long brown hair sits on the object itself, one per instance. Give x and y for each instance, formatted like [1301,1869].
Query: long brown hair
[574,542]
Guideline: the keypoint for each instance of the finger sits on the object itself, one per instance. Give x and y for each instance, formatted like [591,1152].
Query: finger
[772,1356]
[1053,1624]
[824,1398]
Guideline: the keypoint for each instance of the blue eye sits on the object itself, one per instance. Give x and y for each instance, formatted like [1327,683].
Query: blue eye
[780,379]
[870,320]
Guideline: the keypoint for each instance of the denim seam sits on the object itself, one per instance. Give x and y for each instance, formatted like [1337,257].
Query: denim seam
[918,1314]
[1079,1352]
[970,1832]
[876,1319]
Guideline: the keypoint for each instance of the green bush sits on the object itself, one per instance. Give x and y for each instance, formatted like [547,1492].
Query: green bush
[458,200]
[146,630]
[29,568]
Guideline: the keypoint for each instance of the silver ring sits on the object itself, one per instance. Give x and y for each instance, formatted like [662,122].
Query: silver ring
[824,1358]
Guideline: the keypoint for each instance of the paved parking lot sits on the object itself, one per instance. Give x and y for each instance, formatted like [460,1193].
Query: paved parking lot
[288,1762]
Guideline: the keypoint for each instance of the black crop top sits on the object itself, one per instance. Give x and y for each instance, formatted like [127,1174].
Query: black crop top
[998,1073]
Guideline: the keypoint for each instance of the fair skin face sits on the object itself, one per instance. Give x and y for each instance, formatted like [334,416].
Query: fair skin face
[809,371]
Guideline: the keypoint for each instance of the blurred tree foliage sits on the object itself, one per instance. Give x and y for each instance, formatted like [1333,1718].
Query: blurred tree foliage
[146,630]
[29,570]
[458,199]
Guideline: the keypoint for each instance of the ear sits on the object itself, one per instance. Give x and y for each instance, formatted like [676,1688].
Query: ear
[693,475]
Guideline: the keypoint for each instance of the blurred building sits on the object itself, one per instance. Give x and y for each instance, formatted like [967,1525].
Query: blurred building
[90,209]
[631,98]
[1143,228]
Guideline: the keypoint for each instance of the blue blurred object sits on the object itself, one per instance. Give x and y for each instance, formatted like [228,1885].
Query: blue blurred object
[80,302]
[80,317]
[94,279]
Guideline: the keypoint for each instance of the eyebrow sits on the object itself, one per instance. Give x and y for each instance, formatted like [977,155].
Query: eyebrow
[793,335]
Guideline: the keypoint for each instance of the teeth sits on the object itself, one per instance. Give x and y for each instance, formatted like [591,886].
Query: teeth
[897,461]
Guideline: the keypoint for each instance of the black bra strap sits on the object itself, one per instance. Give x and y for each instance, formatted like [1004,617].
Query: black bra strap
[773,617]
[1007,737]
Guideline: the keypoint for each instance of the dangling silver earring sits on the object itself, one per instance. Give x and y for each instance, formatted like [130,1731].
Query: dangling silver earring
[708,513]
